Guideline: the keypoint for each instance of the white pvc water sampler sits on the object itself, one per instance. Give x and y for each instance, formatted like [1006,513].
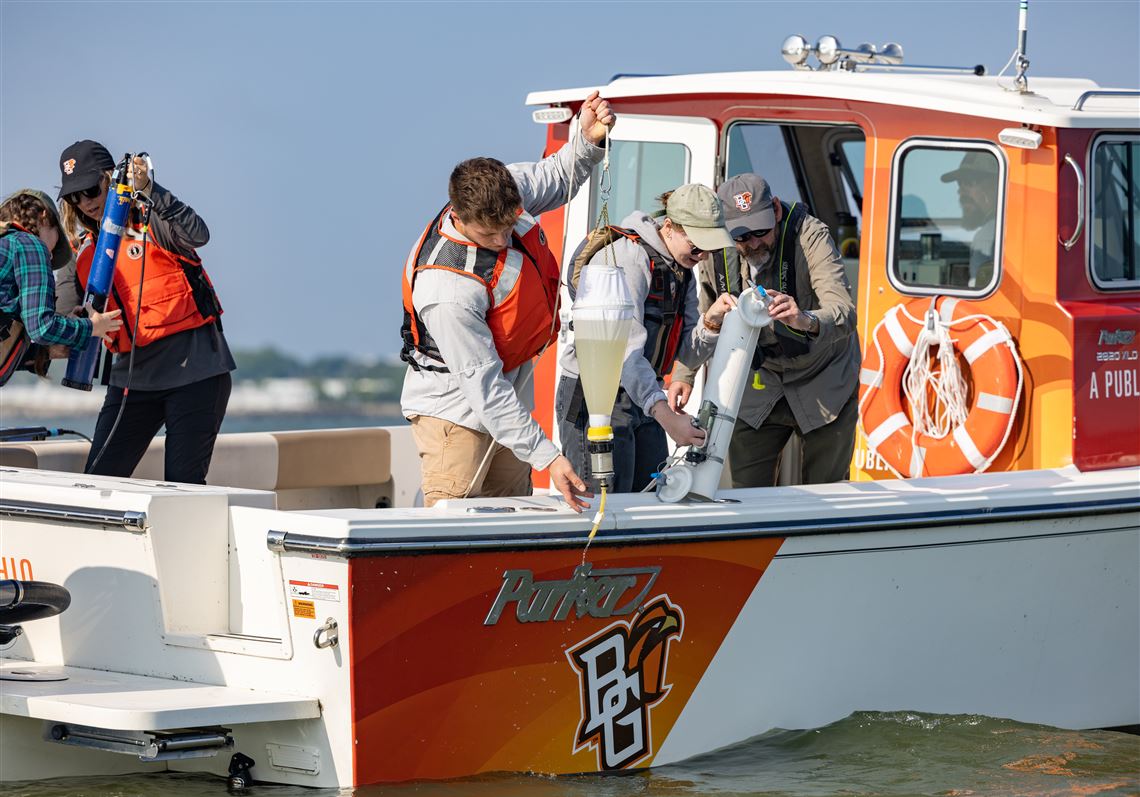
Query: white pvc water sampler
[698,474]
[602,316]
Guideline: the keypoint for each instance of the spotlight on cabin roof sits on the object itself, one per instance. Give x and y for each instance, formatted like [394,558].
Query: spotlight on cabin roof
[827,50]
[796,50]
[832,55]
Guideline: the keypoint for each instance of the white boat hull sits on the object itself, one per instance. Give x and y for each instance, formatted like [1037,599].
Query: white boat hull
[471,639]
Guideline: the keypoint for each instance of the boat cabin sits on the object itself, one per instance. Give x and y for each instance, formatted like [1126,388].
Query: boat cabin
[1051,251]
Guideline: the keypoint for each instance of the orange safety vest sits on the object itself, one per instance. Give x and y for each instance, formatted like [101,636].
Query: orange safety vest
[176,293]
[521,282]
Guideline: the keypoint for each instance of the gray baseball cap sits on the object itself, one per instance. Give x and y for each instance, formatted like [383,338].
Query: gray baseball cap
[696,208]
[61,255]
[747,202]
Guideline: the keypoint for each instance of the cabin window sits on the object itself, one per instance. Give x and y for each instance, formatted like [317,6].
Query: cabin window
[1113,232]
[763,149]
[819,166]
[946,219]
[853,152]
[640,171]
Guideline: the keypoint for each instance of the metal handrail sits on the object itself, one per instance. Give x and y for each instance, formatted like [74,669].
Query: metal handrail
[1071,242]
[1088,95]
[33,510]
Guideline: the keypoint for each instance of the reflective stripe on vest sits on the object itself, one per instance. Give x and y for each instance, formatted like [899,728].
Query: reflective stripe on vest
[521,283]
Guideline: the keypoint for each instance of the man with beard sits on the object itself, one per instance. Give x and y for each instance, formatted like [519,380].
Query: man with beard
[977,177]
[806,364]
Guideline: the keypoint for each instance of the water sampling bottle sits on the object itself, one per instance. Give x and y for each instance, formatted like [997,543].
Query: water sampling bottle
[602,315]
[698,474]
[81,364]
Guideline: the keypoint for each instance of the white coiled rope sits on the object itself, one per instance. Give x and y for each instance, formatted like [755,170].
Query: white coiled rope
[947,384]
[933,384]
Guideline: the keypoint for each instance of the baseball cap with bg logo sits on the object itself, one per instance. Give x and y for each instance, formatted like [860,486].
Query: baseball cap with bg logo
[82,165]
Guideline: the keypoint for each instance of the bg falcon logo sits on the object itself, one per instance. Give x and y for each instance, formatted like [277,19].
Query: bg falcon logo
[743,200]
[621,670]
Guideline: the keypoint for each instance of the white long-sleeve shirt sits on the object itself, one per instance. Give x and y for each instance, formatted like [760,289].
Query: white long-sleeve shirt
[476,393]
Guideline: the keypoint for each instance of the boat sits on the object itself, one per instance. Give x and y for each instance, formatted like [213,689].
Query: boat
[299,620]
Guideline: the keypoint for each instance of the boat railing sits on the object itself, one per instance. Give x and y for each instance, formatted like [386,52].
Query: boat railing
[1104,93]
[32,510]
[1071,241]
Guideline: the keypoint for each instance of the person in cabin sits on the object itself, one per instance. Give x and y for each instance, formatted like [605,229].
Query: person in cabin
[806,364]
[32,245]
[977,178]
[480,296]
[170,352]
[657,257]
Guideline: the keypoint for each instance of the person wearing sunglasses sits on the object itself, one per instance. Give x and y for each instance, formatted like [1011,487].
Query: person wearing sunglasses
[32,245]
[806,364]
[180,374]
[657,256]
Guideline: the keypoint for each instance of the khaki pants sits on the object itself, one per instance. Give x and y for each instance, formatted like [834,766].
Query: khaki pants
[450,456]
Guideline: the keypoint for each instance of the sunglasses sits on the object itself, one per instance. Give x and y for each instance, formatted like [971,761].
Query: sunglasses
[90,193]
[694,251]
[751,234]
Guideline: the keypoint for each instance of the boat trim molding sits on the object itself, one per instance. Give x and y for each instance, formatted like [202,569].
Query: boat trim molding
[350,547]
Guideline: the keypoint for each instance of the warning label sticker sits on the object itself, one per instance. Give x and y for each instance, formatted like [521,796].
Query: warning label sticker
[305,609]
[313,590]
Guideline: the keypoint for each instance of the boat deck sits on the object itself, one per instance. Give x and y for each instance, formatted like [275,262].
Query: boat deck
[120,701]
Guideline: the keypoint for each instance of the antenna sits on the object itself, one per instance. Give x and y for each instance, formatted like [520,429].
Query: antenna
[1022,36]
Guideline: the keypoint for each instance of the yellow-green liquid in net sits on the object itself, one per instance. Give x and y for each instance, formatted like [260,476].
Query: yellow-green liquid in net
[599,345]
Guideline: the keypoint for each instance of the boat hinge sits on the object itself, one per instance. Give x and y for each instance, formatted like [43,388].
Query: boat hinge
[147,745]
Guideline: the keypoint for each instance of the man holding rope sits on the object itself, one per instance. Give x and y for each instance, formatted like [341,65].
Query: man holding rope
[480,295]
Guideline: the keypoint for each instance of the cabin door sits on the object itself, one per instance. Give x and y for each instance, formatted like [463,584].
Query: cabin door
[649,155]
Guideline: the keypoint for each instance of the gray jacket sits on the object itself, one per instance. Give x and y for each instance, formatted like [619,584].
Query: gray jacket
[818,383]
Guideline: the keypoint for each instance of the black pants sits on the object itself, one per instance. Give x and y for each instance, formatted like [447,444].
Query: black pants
[192,413]
[827,451]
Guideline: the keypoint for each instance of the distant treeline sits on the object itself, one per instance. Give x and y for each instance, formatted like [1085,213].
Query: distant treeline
[270,363]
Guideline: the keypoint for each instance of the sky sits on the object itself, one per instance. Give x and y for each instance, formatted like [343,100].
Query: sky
[315,138]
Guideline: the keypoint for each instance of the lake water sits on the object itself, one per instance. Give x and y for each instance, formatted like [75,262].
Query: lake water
[875,754]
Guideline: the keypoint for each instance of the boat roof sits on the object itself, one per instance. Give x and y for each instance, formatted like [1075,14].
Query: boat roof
[1050,102]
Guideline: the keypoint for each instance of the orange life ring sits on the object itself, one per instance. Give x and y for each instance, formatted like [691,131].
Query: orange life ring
[986,348]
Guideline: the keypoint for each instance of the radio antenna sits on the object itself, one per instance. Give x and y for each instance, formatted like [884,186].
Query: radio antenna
[1022,35]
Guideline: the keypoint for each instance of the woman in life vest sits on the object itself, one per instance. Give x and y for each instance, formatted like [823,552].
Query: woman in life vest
[180,375]
[656,256]
[32,245]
